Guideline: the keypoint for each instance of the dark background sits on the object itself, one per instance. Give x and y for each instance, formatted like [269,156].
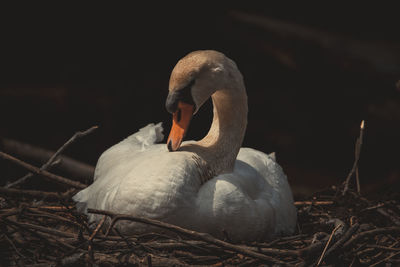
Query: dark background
[312,74]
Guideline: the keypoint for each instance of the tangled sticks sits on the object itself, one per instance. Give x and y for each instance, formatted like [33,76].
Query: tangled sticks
[43,228]
[54,233]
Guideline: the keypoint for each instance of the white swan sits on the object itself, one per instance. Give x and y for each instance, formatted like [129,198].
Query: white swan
[212,185]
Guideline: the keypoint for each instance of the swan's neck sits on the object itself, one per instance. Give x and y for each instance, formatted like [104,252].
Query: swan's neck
[219,148]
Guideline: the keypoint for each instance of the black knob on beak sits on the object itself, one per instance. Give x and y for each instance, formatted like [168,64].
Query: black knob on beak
[171,103]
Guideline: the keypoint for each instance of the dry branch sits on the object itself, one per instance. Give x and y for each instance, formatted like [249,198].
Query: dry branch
[54,157]
[395,220]
[327,244]
[378,231]
[302,203]
[354,169]
[343,239]
[68,165]
[193,234]
[39,226]
[36,194]
[384,248]
[43,173]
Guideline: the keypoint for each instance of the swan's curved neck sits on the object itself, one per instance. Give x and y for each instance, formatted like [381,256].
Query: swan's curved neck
[228,128]
[219,148]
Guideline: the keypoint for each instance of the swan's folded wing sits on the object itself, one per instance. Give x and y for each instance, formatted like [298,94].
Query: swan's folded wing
[129,147]
[281,199]
[118,159]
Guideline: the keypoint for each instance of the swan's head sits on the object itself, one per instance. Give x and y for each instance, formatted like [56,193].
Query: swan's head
[193,80]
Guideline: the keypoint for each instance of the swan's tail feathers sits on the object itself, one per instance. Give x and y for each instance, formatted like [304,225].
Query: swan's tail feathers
[147,136]
[81,207]
[81,204]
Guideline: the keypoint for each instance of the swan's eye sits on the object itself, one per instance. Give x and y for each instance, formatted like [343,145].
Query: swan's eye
[179,115]
[186,93]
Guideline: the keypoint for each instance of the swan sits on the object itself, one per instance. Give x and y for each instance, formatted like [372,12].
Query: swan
[212,185]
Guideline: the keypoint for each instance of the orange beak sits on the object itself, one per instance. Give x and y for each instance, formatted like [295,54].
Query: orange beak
[180,123]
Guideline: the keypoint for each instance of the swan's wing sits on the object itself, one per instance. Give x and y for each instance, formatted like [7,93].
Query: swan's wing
[117,161]
[256,196]
[281,199]
[130,146]
[154,183]
[232,203]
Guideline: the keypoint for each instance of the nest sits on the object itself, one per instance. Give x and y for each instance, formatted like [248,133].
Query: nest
[336,226]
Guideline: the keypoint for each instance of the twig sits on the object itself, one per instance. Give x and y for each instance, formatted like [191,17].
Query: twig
[44,214]
[53,158]
[275,251]
[395,220]
[9,212]
[68,165]
[112,260]
[383,248]
[44,235]
[355,164]
[45,174]
[318,203]
[358,181]
[281,240]
[49,237]
[97,228]
[343,239]
[56,208]
[373,207]
[29,174]
[35,193]
[41,229]
[198,259]
[99,225]
[179,240]
[126,240]
[14,247]
[327,244]
[318,246]
[393,229]
[385,259]
[193,234]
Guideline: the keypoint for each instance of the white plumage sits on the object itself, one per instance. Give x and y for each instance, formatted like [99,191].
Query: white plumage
[137,176]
